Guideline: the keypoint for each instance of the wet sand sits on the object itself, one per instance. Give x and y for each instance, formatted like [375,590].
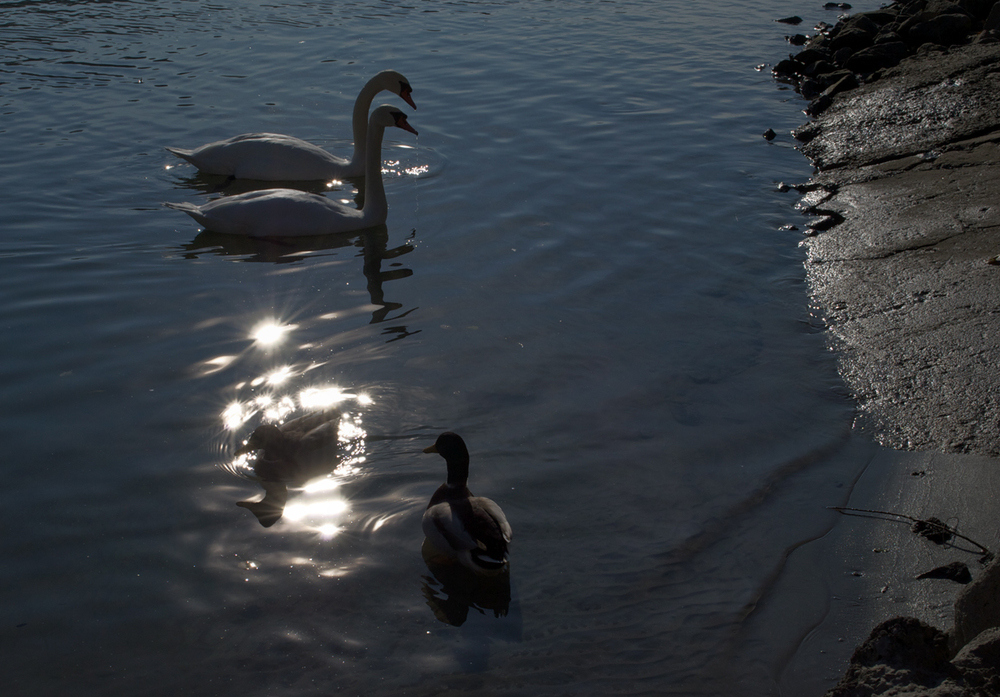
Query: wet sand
[902,263]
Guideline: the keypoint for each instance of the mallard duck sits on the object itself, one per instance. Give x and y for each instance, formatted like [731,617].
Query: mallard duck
[294,213]
[469,529]
[292,453]
[277,157]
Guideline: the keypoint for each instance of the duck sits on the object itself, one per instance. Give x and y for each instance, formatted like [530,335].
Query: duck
[293,213]
[292,453]
[277,157]
[471,530]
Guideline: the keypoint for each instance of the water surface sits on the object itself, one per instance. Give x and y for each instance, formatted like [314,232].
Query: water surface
[582,272]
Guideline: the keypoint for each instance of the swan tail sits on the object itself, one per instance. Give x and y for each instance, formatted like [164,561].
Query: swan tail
[181,153]
[190,209]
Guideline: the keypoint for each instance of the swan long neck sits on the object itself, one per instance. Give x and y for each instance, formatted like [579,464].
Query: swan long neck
[375,209]
[359,119]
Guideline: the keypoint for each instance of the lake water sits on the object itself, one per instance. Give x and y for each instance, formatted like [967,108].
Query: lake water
[583,272]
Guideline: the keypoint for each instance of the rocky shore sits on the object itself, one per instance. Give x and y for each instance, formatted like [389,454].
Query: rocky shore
[902,261]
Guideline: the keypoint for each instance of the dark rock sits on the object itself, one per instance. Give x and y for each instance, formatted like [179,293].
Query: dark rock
[944,30]
[904,642]
[822,103]
[853,38]
[797,39]
[883,17]
[769,134]
[788,67]
[806,133]
[877,57]
[979,660]
[956,571]
[819,68]
[811,88]
[992,21]
[794,19]
[979,9]
[819,105]
[841,56]
[861,22]
[819,42]
[888,36]
[808,56]
[904,656]
[837,6]
[977,607]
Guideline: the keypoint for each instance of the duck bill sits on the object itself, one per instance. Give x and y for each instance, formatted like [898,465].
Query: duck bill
[431,449]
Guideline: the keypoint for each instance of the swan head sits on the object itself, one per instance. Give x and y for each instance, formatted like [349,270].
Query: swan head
[387,115]
[391,81]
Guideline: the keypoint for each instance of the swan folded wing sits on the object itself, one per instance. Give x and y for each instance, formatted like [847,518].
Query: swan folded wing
[265,157]
[276,157]
[274,213]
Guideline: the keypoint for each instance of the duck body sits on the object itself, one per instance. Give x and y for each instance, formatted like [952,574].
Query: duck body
[294,213]
[295,451]
[277,157]
[471,530]
[292,453]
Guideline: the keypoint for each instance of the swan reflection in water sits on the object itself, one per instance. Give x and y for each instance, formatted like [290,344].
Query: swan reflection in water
[310,452]
[374,244]
[452,590]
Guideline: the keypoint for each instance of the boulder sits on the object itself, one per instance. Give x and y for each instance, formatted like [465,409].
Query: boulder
[977,607]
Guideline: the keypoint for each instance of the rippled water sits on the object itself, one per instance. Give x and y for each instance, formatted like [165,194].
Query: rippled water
[582,273]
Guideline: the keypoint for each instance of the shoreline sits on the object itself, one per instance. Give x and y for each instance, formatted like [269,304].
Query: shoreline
[902,261]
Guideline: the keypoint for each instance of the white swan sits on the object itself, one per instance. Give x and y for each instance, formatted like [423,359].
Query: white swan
[294,213]
[276,157]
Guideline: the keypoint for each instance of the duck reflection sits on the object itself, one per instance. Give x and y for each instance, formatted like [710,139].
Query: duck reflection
[452,590]
[293,453]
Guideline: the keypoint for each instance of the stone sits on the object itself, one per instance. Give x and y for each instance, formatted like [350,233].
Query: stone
[877,57]
[979,662]
[977,607]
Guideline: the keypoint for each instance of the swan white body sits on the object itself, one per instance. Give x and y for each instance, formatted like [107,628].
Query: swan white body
[277,157]
[294,213]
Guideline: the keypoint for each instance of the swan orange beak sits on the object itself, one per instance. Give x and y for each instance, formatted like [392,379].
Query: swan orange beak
[402,123]
[405,91]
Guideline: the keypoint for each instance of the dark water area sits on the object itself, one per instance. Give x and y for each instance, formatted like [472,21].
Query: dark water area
[583,272]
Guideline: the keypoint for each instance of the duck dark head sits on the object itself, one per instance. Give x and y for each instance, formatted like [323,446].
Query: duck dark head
[452,448]
[262,436]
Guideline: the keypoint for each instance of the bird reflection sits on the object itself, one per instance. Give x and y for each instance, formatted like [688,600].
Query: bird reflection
[453,589]
[290,454]
[374,243]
